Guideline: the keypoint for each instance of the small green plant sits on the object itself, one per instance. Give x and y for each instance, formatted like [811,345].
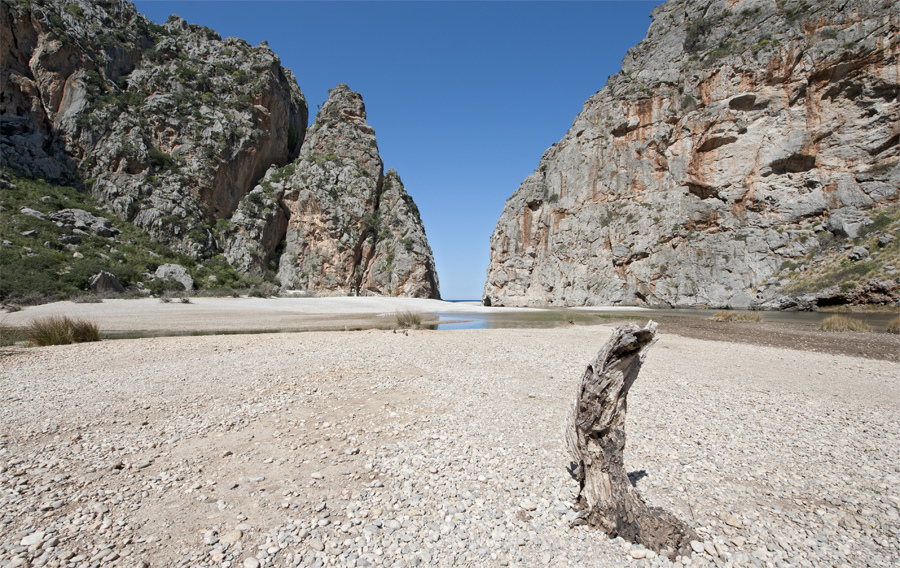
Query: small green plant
[407,319]
[61,330]
[727,315]
[894,326]
[839,323]
[881,169]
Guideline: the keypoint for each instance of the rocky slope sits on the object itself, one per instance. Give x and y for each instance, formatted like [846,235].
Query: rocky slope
[738,137]
[173,128]
[349,227]
[168,125]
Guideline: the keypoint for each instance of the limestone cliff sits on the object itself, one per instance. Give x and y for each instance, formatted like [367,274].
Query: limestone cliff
[348,227]
[170,126]
[194,139]
[739,136]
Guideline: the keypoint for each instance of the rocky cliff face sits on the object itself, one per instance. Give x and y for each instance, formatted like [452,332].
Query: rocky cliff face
[738,137]
[170,126]
[194,139]
[350,228]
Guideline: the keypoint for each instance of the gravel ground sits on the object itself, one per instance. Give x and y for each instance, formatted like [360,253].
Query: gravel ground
[433,448]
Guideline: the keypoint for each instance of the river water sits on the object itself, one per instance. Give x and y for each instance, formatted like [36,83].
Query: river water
[555,317]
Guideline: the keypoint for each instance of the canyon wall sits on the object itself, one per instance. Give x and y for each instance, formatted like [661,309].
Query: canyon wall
[740,137]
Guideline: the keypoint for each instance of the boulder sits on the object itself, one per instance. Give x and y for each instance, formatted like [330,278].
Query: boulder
[847,222]
[175,272]
[858,253]
[104,282]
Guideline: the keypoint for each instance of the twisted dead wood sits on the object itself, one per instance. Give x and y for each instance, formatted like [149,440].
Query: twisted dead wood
[595,435]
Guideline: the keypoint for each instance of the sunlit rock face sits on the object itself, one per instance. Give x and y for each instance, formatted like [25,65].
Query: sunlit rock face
[170,126]
[351,229]
[737,134]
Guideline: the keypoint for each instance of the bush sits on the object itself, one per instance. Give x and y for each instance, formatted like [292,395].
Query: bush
[894,326]
[408,319]
[696,33]
[161,160]
[61,330]
[159,287]
[843,323]
[726,315]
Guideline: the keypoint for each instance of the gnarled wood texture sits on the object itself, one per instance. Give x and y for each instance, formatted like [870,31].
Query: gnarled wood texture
[595,435]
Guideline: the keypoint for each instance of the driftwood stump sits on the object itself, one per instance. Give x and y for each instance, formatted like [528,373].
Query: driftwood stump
[595,434]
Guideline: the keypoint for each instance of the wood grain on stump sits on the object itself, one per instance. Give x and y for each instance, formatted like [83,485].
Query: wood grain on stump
[595,435]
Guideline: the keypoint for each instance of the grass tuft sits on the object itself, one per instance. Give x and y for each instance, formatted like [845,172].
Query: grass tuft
[408,319]
[894,326]
[61,330]
[10,335]
[87,299]
[838,322]
[726,315]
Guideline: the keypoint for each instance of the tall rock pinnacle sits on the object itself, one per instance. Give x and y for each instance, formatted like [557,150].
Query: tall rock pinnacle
[351,229]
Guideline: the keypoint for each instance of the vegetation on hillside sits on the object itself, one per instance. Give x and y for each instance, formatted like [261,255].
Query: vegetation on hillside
[831,265]
[41,261]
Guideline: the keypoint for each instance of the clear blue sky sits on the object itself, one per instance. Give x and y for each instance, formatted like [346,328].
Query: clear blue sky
[464,97]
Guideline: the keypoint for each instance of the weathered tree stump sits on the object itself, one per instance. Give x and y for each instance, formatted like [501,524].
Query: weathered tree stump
[595,434]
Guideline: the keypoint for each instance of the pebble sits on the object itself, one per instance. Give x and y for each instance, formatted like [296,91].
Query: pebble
[231,537]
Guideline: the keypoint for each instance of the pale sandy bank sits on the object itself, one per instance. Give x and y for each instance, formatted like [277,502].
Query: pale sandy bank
[245,314]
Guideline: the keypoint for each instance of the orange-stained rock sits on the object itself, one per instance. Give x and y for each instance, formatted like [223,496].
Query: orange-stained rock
[715,157]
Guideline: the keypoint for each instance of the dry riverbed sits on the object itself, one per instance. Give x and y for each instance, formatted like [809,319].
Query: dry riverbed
[433,448]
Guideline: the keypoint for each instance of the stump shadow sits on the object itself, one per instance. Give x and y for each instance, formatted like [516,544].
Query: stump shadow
[636,476]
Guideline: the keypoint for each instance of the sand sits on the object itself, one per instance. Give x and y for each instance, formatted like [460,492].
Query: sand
[244,314]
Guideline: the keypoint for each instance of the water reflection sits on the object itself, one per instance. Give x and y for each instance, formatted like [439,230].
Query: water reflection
[557,317]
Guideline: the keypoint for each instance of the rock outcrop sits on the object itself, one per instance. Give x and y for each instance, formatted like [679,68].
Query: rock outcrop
[350,228]
[194,139]
[169,126]
[737,134]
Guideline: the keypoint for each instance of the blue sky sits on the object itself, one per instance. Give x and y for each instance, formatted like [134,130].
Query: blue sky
[464,97]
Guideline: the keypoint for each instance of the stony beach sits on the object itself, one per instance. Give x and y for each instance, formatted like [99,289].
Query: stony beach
[444,448]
